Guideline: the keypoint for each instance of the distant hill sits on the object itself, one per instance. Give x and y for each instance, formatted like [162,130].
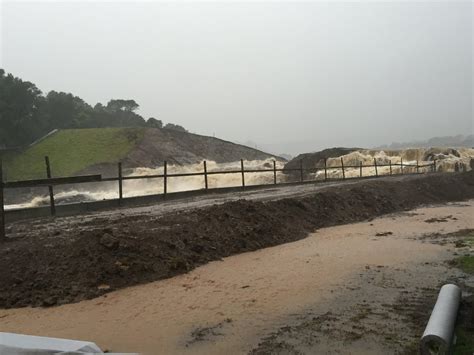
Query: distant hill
[446,141]
[310,160]
[73,151]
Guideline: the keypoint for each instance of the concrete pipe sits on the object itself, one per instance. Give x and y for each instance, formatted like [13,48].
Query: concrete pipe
[439,332]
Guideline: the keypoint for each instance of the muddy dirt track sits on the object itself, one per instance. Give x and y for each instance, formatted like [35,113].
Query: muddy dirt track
[71,259]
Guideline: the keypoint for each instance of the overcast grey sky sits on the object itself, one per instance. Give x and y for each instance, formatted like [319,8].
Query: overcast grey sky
[292,77]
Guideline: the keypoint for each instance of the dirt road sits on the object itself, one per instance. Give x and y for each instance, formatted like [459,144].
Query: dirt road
[337,291]
[270,193]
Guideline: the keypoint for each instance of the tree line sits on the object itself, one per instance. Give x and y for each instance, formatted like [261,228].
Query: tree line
[26,114]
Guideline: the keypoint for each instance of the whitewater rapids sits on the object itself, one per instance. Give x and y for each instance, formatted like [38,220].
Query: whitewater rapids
[447,159]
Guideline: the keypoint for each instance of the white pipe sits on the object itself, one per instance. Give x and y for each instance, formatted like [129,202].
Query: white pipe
[439,332]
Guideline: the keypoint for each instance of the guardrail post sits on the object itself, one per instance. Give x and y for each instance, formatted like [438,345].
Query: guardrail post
[274,173]
[242,170]
[120,182]
[325,170]
[343,172]
[205,176]
[401,165]
[165,178]
[434,165]
[417,168]
[2,207]
[390,165]
[50,187]
[375,165]
[301,170]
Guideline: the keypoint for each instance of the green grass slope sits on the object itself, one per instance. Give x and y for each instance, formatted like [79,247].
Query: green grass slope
[71,151]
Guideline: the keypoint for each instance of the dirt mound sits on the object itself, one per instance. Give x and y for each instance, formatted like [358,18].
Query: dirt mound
[94,257]
[188,148]
[311,160]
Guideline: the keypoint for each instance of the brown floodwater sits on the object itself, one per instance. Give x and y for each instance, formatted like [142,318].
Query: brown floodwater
[228,306]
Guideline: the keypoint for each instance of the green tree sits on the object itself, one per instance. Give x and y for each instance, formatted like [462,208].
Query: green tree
[153,122]
[175,127]
[122,113]
[20,103]
[67,111]
[26,114]
[119,105]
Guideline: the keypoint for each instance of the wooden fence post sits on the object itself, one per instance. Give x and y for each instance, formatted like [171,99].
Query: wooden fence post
[301,170]
[376,170]
[206,186]
[274,173]
[120,182]
[2,207]
[325,170]
[165,178]
[50,187]
[242,170]
[434,165]
[390,165]
[401,165]
[360,167]
[343,172]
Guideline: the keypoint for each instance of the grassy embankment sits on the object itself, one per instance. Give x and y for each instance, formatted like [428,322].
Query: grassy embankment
[71,151]
[465,329]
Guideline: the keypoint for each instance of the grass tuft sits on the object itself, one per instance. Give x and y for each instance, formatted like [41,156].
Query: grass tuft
[466,263]
[464,343]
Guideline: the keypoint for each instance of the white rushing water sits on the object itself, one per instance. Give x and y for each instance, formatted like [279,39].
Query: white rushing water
[446,160]
[142,187]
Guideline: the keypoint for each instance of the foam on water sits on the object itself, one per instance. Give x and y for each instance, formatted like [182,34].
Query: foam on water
[141,187]
[446,160]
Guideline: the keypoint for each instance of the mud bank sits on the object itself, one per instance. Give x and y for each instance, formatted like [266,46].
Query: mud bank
[85,260]
[328,293]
